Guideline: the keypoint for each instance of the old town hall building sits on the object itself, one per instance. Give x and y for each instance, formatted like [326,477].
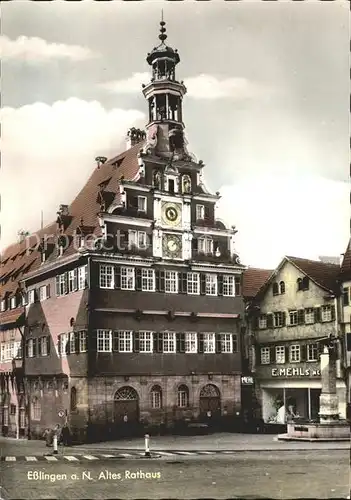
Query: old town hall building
[125,312]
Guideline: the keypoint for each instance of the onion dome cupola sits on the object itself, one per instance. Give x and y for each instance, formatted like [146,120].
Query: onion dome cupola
[164,95]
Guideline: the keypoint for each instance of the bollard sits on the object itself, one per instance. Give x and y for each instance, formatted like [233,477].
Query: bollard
[55,444]
[147,449]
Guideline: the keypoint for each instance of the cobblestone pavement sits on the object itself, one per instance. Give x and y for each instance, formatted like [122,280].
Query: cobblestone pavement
[246,475]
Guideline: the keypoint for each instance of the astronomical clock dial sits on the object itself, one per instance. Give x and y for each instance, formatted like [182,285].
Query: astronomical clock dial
[172,246]
[171,214]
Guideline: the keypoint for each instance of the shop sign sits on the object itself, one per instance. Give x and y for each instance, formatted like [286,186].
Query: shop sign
[247,380]
[295,372]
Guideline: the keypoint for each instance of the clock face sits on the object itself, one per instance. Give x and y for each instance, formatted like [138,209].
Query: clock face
[172,246]
[171,214]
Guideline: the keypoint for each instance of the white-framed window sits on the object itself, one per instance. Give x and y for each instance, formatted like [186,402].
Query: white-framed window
[72,280]
[193,283]
[262,321]
[106,276]
[226,340]
[183,396]
[3,306]
[142,240]
[13,303]
[292,318]
[211,284]
[18,350]
[142,203]
[63,343]
[137,239]
[148,280]
[228,285]
[169,342]
[200,212]
[104,340]
[44,292]
[295,353]
[10,347]
[82,341]
[191,342]
[326,313]
[205,245]
[265,355]
[156,397]
[44,346]
[309,316]
[145,342]
[127,278]
[171,282]
[31,296]
[62,285]
[209,342]
[30,348]
[82,277]
[72,342]
[280,354]
[24,298]
[2,351]
[36,409]
[278,318]
[125,341]
[312,352]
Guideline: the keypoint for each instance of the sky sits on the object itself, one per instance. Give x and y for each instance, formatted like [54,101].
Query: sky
[266,110]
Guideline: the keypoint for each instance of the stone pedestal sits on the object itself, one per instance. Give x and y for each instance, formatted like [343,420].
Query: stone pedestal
[328,400]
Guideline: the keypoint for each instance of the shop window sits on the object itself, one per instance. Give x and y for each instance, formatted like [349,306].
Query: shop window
[265,355]
[156,397]
[312,352]
[280,354]
[183,396]
[295,353]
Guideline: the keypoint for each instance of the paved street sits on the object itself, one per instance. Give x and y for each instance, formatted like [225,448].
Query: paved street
[323,474]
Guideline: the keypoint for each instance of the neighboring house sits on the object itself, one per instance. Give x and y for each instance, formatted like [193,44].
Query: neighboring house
[345,317]
[133,296]
[294,308]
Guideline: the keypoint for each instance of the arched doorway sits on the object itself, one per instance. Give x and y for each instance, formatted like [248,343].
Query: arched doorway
[126,411]
[210,404]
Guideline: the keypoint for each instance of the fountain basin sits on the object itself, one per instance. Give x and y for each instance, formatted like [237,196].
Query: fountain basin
[311,431]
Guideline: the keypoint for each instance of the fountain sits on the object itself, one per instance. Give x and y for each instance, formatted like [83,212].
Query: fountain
[330,426]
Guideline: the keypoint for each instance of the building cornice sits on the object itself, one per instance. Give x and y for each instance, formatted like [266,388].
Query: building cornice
[48,267]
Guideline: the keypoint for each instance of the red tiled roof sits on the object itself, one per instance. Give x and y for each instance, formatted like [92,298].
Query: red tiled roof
[253,280]
[324,274]
[18,258]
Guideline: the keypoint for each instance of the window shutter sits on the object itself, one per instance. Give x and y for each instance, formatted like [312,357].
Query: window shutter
[332,308]
[115,341]
[345,296]
[59,345]
[47,291]
[218,343]
[348,341]
[269,320]
[220,284]
[76,341]
[272,355]
[68,343]
[202,283]
[117,271]
[57,282]
[138,272]
[179,344]
[201,342]
[300,316]
[283,318]
[317,314]
[207,212]
[66,282]
[92,341]
[136,342]
[303,352]
[34,347]
[255,323]
[48,344]
[39,346]
[182,285]
[160,280]
[75,279]
[287,354]
[237,282]
[26,349]
[155,342]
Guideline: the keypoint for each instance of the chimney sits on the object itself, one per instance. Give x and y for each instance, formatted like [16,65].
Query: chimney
[22,235]
[134,136]
[63,210]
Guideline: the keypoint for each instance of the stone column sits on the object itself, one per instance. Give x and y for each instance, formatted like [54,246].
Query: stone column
[328,400]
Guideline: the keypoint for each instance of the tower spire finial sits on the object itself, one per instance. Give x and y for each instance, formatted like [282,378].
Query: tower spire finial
[162,36]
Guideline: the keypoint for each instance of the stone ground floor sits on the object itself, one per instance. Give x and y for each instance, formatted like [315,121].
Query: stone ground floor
[101,408]
[244,475]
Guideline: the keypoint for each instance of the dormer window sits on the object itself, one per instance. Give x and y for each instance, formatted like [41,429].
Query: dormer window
[186,184]
[141,204]
[200,212]
[205,245]
[156,179]
[3,305]
[171,185]
[13,303]
[43,256]
[80,240]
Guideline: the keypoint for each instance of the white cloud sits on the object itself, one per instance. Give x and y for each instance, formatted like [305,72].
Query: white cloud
[198,87]
[34,50]
[287,215]
[48,153]
[129,85]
